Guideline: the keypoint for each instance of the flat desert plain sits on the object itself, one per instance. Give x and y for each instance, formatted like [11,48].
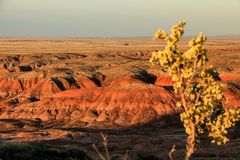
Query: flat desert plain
[64,92]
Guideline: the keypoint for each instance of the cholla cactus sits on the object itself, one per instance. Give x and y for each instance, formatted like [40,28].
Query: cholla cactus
[200,95]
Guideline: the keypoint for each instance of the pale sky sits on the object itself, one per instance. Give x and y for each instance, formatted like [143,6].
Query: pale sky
[116,18]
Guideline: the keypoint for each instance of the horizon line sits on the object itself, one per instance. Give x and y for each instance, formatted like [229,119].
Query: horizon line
[109,37]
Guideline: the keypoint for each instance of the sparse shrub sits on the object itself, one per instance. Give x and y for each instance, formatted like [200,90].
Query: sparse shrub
[106,155]
[105,144]
[200,94]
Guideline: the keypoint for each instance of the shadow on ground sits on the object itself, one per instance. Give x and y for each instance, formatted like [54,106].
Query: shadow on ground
[148,141]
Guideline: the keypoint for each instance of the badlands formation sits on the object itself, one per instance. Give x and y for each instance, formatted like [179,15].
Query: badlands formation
[99,88]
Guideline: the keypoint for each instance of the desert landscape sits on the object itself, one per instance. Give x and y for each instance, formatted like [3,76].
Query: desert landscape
[63,92]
